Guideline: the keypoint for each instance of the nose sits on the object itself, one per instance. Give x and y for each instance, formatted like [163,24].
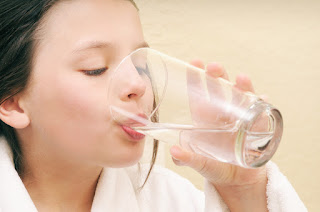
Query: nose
[134,86]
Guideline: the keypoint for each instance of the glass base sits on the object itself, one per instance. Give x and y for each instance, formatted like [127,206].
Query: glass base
[259,135]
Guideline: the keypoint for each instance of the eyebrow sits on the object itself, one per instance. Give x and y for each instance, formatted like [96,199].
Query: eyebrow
[101,44]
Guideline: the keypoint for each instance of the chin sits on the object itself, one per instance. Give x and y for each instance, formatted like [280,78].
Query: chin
[131,156]
[124,159]
[124,162]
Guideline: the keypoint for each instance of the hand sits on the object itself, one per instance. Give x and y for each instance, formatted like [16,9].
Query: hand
[229,180]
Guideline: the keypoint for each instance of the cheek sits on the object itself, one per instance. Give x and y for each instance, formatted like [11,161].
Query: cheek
[71,110]
[71,115]
[78,100]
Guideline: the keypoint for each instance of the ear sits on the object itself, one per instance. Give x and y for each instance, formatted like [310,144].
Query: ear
[12,113]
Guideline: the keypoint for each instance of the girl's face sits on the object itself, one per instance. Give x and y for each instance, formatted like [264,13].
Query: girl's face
[82,41]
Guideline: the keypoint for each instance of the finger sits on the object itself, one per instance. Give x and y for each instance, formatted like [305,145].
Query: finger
[195,88]
[212,170]
[185,158]
[177,162]
[215,70]
[216,91]
[193,76]
[244,83]
[197,63]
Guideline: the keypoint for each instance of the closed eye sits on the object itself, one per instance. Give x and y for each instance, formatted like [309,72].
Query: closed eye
[95,72]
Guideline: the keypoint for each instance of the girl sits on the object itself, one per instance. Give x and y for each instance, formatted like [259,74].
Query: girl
[60,149]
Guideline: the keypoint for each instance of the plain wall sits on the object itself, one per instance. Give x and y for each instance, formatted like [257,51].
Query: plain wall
[276,43]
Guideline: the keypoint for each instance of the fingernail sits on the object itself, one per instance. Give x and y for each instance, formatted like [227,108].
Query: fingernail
[175,152]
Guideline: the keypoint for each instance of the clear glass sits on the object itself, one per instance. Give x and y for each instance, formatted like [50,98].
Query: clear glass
[180,104]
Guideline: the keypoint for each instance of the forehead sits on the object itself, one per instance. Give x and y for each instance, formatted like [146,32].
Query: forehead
[72,23]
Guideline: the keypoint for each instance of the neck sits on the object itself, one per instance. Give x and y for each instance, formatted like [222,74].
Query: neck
[55,185]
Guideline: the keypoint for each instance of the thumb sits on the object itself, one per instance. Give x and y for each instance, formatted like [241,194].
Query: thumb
[182,157]
[214,171]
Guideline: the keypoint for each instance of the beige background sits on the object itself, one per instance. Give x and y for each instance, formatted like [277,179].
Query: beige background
[277,43]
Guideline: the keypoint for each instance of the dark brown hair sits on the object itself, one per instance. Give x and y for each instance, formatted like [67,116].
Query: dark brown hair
[19,22]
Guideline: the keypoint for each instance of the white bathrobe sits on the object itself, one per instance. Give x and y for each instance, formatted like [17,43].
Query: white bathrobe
[165,191]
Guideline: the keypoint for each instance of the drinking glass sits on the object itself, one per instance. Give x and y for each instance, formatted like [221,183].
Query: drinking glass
[177,103]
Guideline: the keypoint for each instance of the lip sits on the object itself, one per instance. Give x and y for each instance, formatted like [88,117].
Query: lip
[134,135]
